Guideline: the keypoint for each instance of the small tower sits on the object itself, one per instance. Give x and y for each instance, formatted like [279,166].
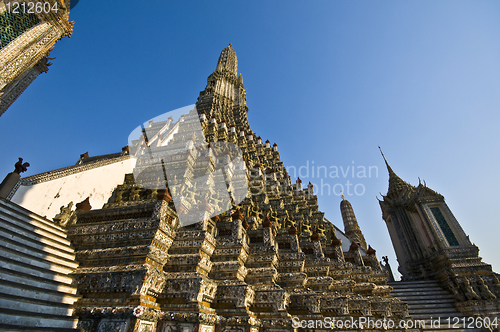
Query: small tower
[424,232]
[224,97]
[26,43]
[351,227]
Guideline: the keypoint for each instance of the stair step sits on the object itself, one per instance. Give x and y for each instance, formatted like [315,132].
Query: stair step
[35,261]
[430,301]
[23,211]
[430,307]
[424,297]
[422,292]
[416,282]
[416,297]
[36,253]
[36,244]
[440,295]
[418,289]
[36,293]
[30,220]
[30,280]
[36,306]
[35,233]
[433,311]
[29,269]
[435,293]
[17,328]
[29,319]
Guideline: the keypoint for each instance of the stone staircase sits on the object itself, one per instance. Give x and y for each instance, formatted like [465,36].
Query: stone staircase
[36,292]
[428,301]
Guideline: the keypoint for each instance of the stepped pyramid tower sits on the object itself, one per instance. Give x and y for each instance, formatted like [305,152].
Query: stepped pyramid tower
[265,263]
[26,40]
[430,244]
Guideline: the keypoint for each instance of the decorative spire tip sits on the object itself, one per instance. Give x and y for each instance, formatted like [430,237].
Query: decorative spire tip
[385,160]
[382,153]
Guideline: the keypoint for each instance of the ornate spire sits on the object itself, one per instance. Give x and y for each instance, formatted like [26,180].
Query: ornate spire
[351,227]
[228,60]
[386,163]
[224,97]
[396,184]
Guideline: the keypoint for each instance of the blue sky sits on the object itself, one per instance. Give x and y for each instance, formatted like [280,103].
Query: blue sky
[328,81]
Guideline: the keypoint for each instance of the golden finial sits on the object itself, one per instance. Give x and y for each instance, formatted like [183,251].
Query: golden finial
[343,197]
[230,45]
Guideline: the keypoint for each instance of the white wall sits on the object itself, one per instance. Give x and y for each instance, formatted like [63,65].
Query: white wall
[46,198]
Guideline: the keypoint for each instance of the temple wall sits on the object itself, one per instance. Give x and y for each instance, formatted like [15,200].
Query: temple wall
[46,198]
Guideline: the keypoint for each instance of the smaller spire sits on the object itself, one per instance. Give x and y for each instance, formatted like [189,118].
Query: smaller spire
[245,224]
[351,227]
[371,251]
[335,241]
[237,215]
[354,246]
[386,163]
[292,230]
[396,184]
[267,222]
[84,205]
[228,60]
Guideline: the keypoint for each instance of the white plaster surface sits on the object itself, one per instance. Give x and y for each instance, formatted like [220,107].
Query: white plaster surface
[346,242]
[46,198]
